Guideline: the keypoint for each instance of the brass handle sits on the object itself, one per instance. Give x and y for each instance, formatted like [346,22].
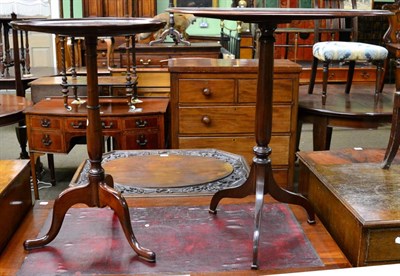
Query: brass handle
[145,62]
[141,123]
[78,125]
[206,92]
[104,126]
[46,141]
[206,120]
[141,141]
[45,123]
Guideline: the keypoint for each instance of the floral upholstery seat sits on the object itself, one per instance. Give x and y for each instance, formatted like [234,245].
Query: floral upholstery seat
[345,51]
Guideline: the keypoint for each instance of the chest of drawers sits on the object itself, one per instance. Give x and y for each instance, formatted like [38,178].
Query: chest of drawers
[213,106]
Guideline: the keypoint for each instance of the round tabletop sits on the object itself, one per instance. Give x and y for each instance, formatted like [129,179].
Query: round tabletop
[90,26]
[276,15]
[11,109]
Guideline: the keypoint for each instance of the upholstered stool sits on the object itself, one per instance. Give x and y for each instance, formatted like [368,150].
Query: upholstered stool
[351,52]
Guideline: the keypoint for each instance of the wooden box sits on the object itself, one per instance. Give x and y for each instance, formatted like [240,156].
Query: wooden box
[15,197]
[358,202]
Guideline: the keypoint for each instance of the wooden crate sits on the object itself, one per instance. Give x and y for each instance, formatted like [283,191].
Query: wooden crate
[357,201]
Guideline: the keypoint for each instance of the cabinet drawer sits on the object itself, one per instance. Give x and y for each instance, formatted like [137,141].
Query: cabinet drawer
[381,246]
[283,90]
[206,90]
[241,145]
[39,122]
[142,122]
[230,119]
[46,141]
[80,124]
[143,140]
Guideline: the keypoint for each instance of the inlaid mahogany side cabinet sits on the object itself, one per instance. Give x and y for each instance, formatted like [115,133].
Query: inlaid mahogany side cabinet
[213,106]
[53,129]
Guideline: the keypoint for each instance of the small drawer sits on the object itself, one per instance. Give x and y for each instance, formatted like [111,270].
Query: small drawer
[206,90]
[283,90]
[46,141]
[44,123]
[382,246]
[142,122]
[229,119]
[81,124]
[143,140]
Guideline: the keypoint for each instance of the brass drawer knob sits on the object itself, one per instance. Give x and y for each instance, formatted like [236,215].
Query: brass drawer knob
[104,126]
[145,62]
[206,92]
[141,123]
[78,125]
[141,141]
[45,123]
[46,140]
[206,120]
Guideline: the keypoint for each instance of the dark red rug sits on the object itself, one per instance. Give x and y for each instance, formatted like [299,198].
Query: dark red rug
[185,239]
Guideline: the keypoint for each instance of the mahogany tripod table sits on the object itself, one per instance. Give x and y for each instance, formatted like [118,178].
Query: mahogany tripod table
[261,180]
[99,192]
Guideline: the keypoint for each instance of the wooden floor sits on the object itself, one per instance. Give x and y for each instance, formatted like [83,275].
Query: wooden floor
[330,254]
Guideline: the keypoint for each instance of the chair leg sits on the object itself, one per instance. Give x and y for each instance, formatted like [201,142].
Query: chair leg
[50,161]
[379,73]
[394,139]
[385,72]
[325,74]
[314,68]
[322,134]
[350,74]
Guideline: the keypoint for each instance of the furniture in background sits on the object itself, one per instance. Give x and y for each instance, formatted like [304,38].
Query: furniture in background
[53,129]
[355,110]
[213,104]
[11,112]
[356,200]
[15,197]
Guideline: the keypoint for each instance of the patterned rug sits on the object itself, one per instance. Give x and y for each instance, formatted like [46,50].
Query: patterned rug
[185,239]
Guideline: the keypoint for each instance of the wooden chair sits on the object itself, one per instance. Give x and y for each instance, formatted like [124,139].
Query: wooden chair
[360,109]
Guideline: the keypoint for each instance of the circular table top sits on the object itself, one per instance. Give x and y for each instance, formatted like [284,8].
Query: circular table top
[11,108]
[91,26]
[155,171]
[276,15]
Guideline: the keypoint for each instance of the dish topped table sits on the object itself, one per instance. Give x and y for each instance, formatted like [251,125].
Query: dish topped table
[99,192]
[261,180]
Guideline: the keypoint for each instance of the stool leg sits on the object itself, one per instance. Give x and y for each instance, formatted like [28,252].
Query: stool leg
[325,74]
[350,74]
[379,73]
[314,68]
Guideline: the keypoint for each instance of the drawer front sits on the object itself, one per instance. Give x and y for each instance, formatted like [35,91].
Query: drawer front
[241,145]
[41,122]
[206,90]
[143,140]
[46,141]
[73,125]
[142,122]
[240,119]
[283,90]
[381,246]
